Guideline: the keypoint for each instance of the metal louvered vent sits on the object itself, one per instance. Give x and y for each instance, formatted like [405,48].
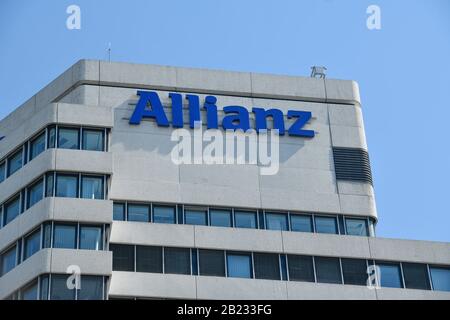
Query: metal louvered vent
[352,164]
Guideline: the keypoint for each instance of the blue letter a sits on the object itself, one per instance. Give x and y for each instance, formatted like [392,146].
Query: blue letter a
[156,111]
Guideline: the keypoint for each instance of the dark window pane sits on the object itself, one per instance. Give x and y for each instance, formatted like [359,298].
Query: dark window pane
[8,260]
[51,137]
[92,187]
[356,227]
[2,171]
[44,287]
[440,278]
[390,275]
[66,186]
[12,210]
[267,266]
[301,223]
[138,212]
[91,238]
[220,218]
[177,260]
[149,259]
[119,211]
[68,138]
[195,217]
[239,265]
[47,238]
[32,244]
[326,225]
[328,270]
[15,162]
[245,219]
[416,276]
[64,236]
[35,193]
[276,221]
[49,184]
[59,289]
[93,140]
[123,257]
[163,214]
[91,288]
[37,146]
[30,292]
[212,263]
[355,271]
[301,268]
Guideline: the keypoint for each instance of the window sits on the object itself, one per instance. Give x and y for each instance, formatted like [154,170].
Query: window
[267,266]
[440,278]
[91,288]
[195,217]
[354,271]
[212,263]
[59,289]
[149,259]
[177,260]
[301,268]
[390,275]
[66,186]
[47,237]
[44,283]
[49,185]
[93,140]
[35,193]
[328,270]
[64,236]
[326,225]
[51,137]
[220,218]
[416,276]
[2,171]
[37,146]
[12,210]
[245,219]
[32,244]
[30,292]
[91,238]
[119,211]
[239,265]
[123,257]
[276,221]
[163,214]
[68,138]
[356,227]
[138,212]
[8,260]
[15,162]
[301,223]
[92,187]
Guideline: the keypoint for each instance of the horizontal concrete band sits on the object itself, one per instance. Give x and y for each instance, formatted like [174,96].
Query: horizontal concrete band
[55,261]
[135,284]
[57,209]
[280,242]
[56,160]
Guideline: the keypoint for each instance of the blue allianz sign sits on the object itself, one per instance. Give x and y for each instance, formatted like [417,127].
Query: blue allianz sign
[236,117]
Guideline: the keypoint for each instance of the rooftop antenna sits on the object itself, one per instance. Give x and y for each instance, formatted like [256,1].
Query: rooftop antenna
[109,51]
[318,72]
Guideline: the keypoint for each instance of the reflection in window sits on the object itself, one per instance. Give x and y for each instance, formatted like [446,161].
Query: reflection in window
[138,212]
[92,187]
[301,223]
[8,260]
[220,218]
[276,221]
[64,236]
[93,140]
[15,162]
[68,138]
[119,211]
[239,265]
[37,146]
[195,217]
[66,186]
[245,219]
[390,275]
[326,225]
[356,227]
[32,244]
[163,214]
[440,278]
[12,210]
[35,193]
[91,238]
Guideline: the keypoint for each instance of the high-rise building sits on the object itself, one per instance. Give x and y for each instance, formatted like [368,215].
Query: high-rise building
[94,206]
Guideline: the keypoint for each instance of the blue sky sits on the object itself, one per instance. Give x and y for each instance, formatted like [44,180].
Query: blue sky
[403,71]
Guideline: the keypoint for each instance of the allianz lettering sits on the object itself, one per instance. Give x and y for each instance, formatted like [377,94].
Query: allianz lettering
[236,117]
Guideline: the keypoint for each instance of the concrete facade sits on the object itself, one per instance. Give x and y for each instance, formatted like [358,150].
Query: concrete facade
[139,166]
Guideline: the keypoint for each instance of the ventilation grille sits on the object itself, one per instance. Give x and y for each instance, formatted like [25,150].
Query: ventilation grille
[352,164]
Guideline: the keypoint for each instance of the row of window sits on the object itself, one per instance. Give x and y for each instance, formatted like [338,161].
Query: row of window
[53,136]
[271,266]
[240,218]
[62,235]
[54,287]
[53,184]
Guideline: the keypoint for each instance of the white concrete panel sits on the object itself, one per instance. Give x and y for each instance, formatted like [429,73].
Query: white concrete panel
[147,191]
[355,188]
[321,291]
[349,137]
[83,161]
[84,115]
[358,205]
[410,294]
[82,210]
[345,91]
[90,262]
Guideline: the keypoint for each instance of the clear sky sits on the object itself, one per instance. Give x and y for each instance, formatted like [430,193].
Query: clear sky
[403,71]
